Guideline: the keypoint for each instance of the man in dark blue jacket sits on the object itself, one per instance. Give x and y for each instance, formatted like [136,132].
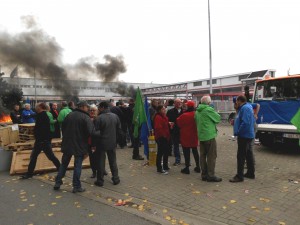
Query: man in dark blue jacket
[244,130]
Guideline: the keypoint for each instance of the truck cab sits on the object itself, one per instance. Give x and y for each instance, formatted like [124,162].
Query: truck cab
[279,100]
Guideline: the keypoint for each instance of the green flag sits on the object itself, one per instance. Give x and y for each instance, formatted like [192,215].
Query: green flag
[296,121]
[139,115]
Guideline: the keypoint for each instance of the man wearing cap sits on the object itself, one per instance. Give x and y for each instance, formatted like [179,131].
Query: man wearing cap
[76,129]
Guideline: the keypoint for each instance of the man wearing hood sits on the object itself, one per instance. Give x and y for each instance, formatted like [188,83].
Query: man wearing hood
[206,120]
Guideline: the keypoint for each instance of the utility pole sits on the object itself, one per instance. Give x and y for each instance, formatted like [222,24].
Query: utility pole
[210,64]
[34,86]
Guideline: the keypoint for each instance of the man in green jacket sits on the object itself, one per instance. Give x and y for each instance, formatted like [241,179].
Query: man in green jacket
[65,110]
[206,120]
[52,121]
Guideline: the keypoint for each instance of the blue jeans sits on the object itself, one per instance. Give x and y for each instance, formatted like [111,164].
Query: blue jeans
[175,143]
[65,160]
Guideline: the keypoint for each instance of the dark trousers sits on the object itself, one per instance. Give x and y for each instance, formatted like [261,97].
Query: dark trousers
[162,153]
[44,146]
[112,160]
[92,157]
[175,143]
[208,156]
[56,133]
[65,160]
[187,156]
[136,147]
[245,153]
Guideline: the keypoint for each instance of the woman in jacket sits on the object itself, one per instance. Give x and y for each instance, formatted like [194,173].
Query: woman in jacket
[162,137]
[188,137]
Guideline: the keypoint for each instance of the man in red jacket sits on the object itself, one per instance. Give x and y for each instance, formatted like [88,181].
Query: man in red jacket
[188,137]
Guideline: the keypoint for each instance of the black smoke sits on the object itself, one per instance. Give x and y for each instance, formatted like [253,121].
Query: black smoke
[36,52]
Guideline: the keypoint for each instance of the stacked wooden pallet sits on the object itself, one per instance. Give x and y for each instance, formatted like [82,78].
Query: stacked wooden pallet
[8,134]
[26,132]
[28,145]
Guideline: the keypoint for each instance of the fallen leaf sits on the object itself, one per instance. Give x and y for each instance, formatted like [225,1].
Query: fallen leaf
[168,218]
[134,206]
[33,196]
[64,191]
[76,203]
[109,199]
[23,196]
[185,224]
[22,193]
[50,214]
[173,221]
[246,191]
[25,210]
[126,194]
[24,200]
[31,205]
[232,201]
[264,199]
[12,190]
[196,192]
[42,185]
[30,224]
[267,209]
[18,210]
[165,211]
[253,207]
[224,207]
[144,188]
[180,222]
[251,220]
[78,206]
[91,214]
[281,223]
[58,196]
[53,203]
[145,201]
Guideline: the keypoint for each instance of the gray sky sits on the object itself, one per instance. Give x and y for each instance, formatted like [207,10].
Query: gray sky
[166,41]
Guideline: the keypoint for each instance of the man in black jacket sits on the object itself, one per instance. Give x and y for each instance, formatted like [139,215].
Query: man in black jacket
[15,115]
[76,129]
[109,126]
[42,142]
[173,114]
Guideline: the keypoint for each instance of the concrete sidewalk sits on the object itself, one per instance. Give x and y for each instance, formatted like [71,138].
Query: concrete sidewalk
[272,198]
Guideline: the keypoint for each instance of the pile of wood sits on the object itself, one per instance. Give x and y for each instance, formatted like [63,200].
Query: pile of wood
[20,140]
[8,135]
[26,132]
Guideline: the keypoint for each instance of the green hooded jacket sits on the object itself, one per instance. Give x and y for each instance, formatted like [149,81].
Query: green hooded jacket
[52,121]
[206,120]
[62,114]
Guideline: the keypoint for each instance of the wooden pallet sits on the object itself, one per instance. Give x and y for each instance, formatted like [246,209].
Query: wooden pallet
[20,162]
[8,135]
[28,145]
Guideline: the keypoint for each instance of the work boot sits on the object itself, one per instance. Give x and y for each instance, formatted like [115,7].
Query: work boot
[26,176]
[185,170]
[197,169]
[75,190]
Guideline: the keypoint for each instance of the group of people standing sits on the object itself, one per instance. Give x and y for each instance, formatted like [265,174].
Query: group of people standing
[190,126]
[95,131]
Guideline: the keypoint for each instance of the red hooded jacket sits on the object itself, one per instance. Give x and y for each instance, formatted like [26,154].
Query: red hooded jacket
[188,130]
[161,126]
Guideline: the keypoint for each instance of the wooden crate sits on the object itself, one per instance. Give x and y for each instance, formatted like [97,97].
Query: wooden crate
[20,162]
[8,135]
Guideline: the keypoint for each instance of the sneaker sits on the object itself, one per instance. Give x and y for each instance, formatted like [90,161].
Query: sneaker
[167,168]
[26,176]
[236,179]
[176,163]
[75,190]
[56,186]
[185,170]
[213,179]
[197,169]
[250,176]
[163,172]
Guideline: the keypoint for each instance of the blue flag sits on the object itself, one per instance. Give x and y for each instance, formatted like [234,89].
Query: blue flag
[145,130]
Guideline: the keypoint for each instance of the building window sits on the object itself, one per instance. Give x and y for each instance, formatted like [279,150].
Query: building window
[198,83]
[214,81]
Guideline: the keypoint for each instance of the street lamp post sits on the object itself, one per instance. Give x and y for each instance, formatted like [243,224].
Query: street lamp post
[210,64]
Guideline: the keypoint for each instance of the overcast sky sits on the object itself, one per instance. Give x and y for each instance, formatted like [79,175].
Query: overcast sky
[166,41]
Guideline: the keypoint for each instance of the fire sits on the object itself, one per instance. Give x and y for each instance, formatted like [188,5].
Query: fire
[5,118]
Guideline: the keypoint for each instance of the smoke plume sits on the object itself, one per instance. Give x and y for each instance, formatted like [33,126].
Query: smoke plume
[36,52]
[110,70]
[39,53]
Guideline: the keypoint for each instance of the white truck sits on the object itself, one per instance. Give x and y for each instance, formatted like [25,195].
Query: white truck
[279,100]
